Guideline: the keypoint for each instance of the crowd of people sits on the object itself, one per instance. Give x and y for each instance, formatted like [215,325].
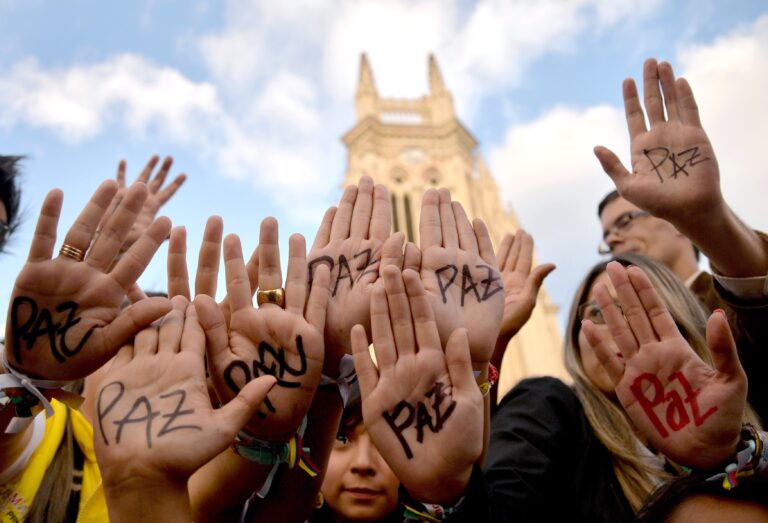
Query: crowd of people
[360,386]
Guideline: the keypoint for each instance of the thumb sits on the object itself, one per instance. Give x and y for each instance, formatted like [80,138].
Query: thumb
[611,165]
[722,346]
[536,278]
[233,416]
[133,319]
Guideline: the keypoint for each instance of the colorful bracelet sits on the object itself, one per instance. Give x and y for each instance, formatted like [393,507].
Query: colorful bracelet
[752,459]
[493,378]
[431,512]
[291,452]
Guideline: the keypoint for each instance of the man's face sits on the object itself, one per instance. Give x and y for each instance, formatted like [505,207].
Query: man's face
[627,229]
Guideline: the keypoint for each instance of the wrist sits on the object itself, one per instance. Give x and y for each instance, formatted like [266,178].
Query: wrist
[447,491]
[147,498]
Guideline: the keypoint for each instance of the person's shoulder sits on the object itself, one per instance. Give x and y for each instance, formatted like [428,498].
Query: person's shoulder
[542,389]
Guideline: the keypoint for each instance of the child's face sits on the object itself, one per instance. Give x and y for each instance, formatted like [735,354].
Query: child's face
[359,485]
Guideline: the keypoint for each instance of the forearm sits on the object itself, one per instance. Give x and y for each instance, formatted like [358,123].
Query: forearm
[293,493]
[224,484]
[733,248]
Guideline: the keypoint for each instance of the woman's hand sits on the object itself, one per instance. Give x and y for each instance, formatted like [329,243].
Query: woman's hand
[687,410]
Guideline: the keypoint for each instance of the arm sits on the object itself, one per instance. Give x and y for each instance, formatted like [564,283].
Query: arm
[675,175]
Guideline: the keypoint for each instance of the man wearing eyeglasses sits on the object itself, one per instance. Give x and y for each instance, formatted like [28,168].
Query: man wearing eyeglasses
[670,206]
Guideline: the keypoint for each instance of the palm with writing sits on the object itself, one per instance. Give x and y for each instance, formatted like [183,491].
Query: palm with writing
[154,419]
[687,409]
[64,319]
[421,406]
[460,275]
[286,343]
[157,195]
[354,242]
[674,170]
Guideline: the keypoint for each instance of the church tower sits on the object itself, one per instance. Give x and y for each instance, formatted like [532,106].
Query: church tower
[410,145]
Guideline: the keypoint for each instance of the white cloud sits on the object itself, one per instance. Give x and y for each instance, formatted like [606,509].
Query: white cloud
[290,101]
[78,102]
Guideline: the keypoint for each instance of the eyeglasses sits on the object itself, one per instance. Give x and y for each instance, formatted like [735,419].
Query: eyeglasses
[622,223]
[591,311]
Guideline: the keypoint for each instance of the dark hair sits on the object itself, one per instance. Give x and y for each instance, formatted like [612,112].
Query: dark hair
[10,194]
[664,501]
[352,416]
[613,195]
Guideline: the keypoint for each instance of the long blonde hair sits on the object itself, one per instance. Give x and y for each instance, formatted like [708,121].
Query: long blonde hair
[637,475]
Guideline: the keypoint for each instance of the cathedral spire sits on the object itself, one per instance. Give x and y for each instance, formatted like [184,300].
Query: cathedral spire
[366,98]
[436,84]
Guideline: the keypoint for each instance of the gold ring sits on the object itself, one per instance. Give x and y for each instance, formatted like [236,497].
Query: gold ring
[71,252]
[274,296]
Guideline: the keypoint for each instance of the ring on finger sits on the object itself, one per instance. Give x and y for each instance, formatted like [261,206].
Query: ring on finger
[273,296]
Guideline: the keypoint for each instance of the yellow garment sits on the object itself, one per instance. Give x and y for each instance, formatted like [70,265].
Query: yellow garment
[16,497]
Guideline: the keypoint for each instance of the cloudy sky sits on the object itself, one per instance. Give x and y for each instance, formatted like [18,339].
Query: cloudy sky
[251,97]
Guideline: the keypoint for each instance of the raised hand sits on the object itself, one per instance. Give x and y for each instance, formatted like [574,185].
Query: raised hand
[354,242]
[421,407]
[64,319]
[688,410]
[460,275]
[285,343]
[154,421]
[521,284]
[157,194]
[674,170]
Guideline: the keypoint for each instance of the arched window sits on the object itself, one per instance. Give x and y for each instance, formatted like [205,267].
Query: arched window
[395,221]
[408,218]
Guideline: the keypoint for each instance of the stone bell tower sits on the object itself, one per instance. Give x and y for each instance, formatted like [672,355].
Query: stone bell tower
[410,145]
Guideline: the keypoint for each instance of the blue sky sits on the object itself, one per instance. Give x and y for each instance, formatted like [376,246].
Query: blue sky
[251,98]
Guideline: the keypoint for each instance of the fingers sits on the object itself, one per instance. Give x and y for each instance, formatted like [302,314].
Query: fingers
[317,304]
[238,287]
[392,251]
[412,257]
[136,259]
[178,276]
[159,178]
[514,253]
[133,319]
[381,216]
[525,258]
[467,239]
[459,363]
[212,321]
[689,110]
[399,311]
[233,415]
[323,235]
[116,230]
[381,329]
[343,217]
[484,243]
[661,320]
[667,77]
[270,274]
[606,351]
[654,104]
[504,249]
[145,342]
[361,212]
[633,111]
[722,346]
[135,294]
[121,174]
[167,193]
[193,335]
[424,325]
[209,257]
[81,233]
[252,268]
[146,172]
[367,375]
[430,230]
[537,276]
[634,312]
[620,331]
[44,238]
[448,220]
[172,325]
[296,280]
[612,166]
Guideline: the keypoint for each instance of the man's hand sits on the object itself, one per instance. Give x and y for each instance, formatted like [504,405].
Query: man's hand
[64,319]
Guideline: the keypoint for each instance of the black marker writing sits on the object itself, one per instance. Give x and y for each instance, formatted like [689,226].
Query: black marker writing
[679,161]
[367,265]
[489,285]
